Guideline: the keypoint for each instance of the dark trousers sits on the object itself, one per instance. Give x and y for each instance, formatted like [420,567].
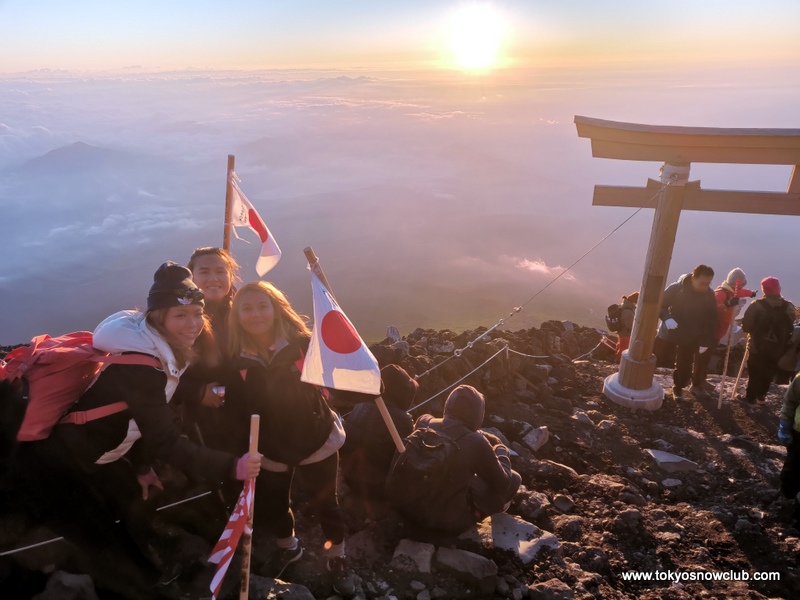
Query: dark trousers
[485,501]
[790,474]
[761,370]
[689,366]
[51,488]
[273,510]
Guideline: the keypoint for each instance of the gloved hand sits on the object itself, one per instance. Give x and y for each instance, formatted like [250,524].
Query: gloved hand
[703,349]
[671,324]
[248,466]
[755,293]
[731,302]
[785,433]
[149,479]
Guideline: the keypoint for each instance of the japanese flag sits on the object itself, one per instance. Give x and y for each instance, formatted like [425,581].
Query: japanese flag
[244,215]
[337,356]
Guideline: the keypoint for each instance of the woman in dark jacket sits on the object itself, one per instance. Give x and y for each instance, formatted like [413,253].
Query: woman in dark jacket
[86,475]
[299,432]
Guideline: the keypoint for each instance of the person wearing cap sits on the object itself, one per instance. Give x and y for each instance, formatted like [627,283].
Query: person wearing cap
[368,449]
[730,296]
[688,323]
[482,482]
[770,324]
[627,314]
[101,470]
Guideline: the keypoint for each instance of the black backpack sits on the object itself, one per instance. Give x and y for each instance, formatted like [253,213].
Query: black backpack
[614,318]
[775,333]
[419,481]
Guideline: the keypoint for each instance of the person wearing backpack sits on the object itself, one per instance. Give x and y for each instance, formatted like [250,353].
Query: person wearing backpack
[90,472]
[689,322]
[299,435]
[368,448]
[452,475]
[789,436]
[626,313]
[770,324]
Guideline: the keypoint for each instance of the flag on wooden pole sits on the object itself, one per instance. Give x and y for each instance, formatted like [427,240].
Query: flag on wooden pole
[243,214]
[223,552]
[337,356]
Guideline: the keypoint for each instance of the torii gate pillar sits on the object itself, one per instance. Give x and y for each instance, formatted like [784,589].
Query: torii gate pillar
[678,147]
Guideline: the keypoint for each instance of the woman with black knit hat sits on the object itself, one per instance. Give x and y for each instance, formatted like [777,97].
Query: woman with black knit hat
[87,475]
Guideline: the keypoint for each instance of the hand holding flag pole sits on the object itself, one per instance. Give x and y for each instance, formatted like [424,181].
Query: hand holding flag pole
[337,348]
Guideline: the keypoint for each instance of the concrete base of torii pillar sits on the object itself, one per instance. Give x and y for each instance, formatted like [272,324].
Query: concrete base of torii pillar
[649,398]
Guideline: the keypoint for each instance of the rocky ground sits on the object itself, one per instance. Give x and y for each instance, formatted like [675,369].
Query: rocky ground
[612,506]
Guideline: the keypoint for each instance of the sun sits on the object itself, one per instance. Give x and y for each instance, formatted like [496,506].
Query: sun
[476,35]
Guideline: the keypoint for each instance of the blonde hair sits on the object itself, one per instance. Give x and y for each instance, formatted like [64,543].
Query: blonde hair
[288,323]
[184,355]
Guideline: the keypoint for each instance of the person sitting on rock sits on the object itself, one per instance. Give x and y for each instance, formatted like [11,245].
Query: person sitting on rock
[770,324]
[368,448]
[689,321]
[478,480]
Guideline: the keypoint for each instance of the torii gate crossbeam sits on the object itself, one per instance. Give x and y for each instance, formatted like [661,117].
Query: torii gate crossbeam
[677,148]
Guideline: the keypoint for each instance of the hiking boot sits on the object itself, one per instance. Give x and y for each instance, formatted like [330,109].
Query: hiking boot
[699,393]
[746,400]
[677,393]
[761,401]
[708,386]
[282,558]
[341,577]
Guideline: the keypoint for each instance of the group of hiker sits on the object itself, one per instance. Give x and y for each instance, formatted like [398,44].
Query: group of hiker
[187,373]
[695,320]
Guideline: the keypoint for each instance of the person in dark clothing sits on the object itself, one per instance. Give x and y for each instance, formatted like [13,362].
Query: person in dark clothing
[482,481]
[689,321]
[770,324]
[299,433]
[789,436]
[627,314]
[208,419]
[103,468]
[730,295]
[368,448]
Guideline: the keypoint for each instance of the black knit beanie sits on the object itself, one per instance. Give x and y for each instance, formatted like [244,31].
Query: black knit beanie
[173,286]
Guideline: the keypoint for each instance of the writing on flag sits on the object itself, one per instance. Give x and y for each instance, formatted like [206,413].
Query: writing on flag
[337,356]
[243,214]
[225,548]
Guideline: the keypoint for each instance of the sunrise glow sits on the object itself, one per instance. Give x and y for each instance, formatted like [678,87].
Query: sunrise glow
[476,36]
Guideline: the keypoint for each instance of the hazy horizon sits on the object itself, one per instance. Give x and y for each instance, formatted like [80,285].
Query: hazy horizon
[436,196]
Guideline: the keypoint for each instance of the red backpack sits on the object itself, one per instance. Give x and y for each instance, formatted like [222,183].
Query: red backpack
[53,373]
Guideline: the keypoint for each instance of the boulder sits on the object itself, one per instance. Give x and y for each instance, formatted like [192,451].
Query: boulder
[536,438]
[581,417]
[563,503]
[672,463]
[509,532]
[531,505]
[555,589]
[468,566]
[671,483]
[66,586]
[413,556]
[266,588]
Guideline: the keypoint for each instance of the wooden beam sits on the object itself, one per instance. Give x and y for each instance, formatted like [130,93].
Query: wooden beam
[794,181]
[682,145]
[762,203]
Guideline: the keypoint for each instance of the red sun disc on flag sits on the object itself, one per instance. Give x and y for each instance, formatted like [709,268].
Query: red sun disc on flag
[338,334]
[257,224]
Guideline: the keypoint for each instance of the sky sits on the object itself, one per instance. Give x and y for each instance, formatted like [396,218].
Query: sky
[436,195]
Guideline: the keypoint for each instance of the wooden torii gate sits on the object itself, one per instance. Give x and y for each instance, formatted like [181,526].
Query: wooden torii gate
[677,148]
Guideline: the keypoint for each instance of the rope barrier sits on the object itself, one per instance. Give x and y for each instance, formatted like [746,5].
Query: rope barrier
[452,385]
[527,355]
[58,539]
[518,309]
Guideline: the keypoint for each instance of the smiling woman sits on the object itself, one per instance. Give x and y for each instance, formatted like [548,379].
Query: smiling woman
[476,34]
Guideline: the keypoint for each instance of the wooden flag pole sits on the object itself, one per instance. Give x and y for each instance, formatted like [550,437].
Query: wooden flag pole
[741,369]
[316,268]
[247,536]
[226,235]
[727,353]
